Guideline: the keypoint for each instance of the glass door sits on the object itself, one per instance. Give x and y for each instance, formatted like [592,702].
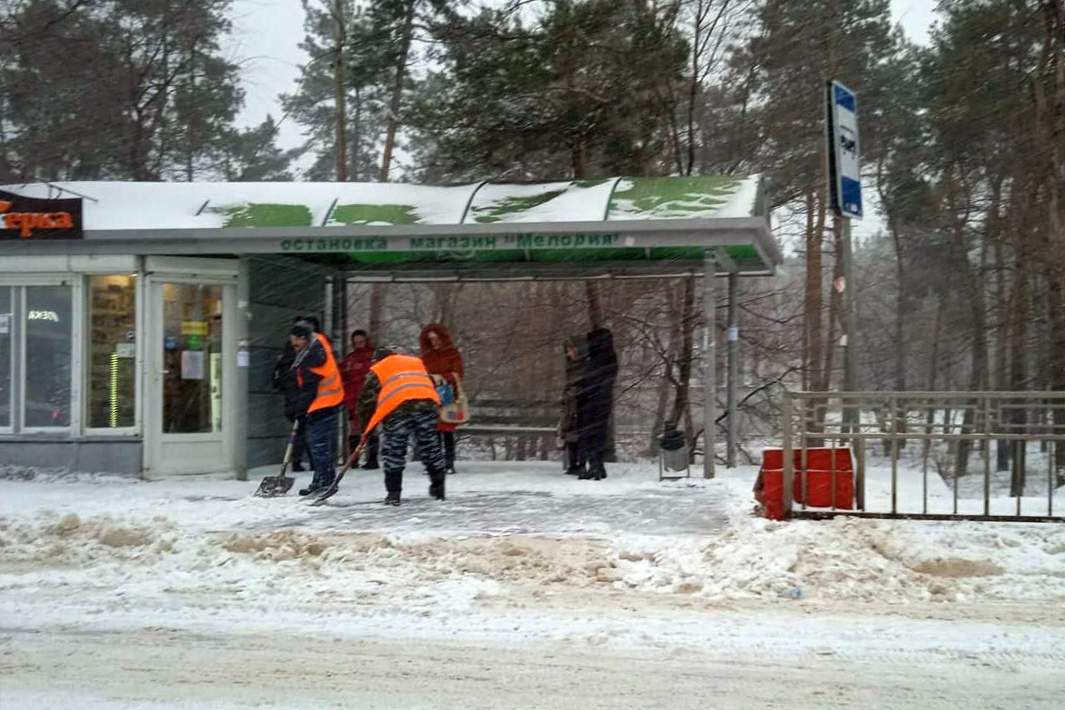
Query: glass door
[185,428]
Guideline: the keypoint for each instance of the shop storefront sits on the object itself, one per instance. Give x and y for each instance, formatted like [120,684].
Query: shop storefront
[78,387]
[139,322]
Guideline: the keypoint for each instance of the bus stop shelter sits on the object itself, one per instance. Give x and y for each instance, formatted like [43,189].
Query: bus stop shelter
[157,289]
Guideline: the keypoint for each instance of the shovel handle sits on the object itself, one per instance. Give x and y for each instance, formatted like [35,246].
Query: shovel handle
[287,461]
[351,460]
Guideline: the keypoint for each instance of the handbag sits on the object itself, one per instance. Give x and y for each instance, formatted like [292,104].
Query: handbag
[445,391]
[458,410]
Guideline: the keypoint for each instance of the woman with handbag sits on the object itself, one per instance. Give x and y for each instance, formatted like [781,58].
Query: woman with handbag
[443,361]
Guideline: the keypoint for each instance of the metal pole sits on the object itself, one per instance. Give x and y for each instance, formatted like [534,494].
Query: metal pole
[709,365]
[733,367]
[345,348]
[242,329]
[850,352]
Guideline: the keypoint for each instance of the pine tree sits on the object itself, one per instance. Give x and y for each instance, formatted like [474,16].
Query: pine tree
[576,92]
[253,155]
[125,89]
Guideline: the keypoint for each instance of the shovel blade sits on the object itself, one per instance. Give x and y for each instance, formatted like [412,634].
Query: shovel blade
[325,495]
[273,486]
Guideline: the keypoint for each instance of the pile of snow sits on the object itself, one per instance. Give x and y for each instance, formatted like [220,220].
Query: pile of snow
[203,550]
[850,558]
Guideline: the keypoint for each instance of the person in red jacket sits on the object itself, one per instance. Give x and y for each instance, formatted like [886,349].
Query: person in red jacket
[353,369]
[443,359]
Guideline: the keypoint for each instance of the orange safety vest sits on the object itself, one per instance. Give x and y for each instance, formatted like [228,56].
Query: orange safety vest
[403,378]
[330,387]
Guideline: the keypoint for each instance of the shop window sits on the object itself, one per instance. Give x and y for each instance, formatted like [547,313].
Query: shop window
[7,337]
[47,356]
[112,352]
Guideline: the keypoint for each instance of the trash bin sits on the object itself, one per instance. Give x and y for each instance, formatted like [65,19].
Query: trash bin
[673,451]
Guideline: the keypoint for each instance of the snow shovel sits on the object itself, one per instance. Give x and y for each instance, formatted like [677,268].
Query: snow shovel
[331,491]
[280,484]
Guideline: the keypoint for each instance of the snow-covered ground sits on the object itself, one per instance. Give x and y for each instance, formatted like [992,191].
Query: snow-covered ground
[526,588]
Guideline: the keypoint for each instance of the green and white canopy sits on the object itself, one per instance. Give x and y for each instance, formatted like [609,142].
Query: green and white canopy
[612,226]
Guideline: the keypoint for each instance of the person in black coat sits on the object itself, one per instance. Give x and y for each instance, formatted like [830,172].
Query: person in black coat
[569,428]
[284,381]
[595,401]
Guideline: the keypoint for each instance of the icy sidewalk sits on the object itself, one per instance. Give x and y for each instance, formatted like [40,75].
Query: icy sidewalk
[484,498]
[202,550]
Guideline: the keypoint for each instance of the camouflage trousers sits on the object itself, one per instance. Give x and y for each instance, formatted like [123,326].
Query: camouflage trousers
[397,430]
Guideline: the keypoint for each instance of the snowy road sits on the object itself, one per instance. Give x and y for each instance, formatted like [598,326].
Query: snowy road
[525,589]
[161,668]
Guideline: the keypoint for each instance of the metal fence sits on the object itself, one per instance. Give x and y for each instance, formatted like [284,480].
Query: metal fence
[933,455]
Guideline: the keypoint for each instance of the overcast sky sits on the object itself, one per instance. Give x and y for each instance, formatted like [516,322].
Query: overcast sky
[267,34]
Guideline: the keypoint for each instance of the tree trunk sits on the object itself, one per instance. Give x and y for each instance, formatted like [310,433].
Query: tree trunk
[377,309]
[1001,369]
[672,355]
[595,306]
[356,137]
[684,368]
[901,314]
[972,284]
[340,91]
[1018,351]
[813,302]
[693,87]
[933,371]
[396,100]
[1056,287]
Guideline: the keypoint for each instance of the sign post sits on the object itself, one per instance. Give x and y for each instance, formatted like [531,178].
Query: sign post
[845,195]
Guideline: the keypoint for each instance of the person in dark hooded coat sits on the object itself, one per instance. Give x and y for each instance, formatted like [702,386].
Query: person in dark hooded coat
[595,400]
[569,430]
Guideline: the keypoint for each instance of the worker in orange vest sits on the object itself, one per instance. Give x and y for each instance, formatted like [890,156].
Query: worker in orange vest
[320,394]
[399,396]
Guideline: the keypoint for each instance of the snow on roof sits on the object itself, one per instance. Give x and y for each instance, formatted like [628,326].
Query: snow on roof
[176,205]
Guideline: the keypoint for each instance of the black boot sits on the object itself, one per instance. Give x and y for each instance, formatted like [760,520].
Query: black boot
[394,486]
[576,466]
[316,487]
[448,438]
[595,470]
[436,487]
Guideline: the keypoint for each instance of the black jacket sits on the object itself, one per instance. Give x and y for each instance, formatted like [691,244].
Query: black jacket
[569,427]
[284,379]
[601,369]
[595,400]
[314,355]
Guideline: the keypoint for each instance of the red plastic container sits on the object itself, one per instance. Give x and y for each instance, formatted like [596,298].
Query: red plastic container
[820,463]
